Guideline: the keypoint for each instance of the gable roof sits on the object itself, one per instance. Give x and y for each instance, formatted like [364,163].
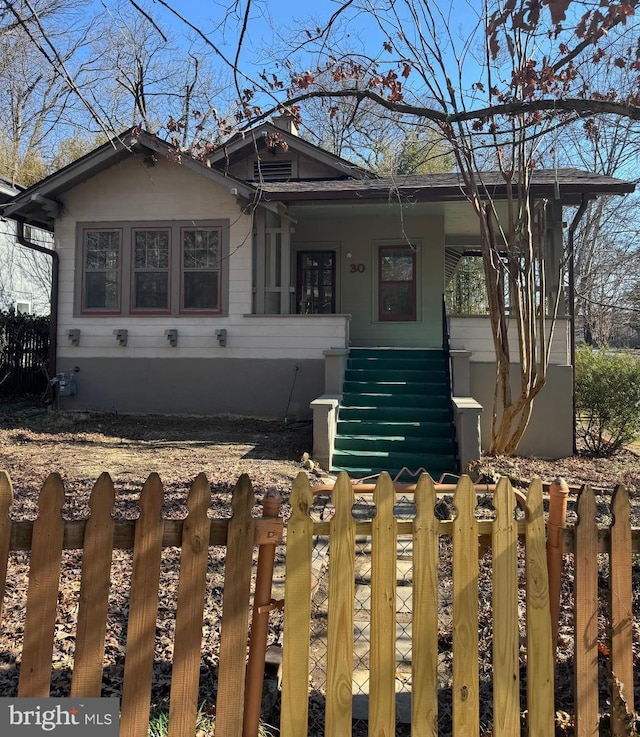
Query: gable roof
[572,184]
[38,204]
[241,143]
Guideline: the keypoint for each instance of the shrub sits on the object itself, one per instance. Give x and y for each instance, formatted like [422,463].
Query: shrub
[607,400]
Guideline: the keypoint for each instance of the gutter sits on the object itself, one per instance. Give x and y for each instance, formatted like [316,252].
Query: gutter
[55,270]
[572,309]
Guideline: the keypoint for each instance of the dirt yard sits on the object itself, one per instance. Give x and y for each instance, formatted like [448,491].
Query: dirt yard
[80,446]
[34,443]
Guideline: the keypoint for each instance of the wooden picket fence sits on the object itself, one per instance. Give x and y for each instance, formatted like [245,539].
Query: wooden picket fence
[584,546]
[426,530]
[98,537]
[605,630]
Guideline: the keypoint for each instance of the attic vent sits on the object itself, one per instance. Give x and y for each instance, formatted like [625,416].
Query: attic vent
[273,171]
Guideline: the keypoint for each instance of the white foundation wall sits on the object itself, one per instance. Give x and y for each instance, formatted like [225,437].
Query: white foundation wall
[473,334]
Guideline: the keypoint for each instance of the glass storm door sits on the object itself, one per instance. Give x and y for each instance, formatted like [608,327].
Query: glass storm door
[315,292]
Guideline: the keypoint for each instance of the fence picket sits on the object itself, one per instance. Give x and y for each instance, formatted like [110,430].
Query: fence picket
[424,692]
[194,557]
[143,611]
[621,607]
[384,536]
[466,706]
[586,615]
[341,597]
[235,612]
[540,648]
[506,635]
[42,594]
[94,591]
[6,499]
[297,613]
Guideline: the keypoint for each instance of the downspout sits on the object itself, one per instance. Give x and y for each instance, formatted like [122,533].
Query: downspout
[55,269]
[572,310]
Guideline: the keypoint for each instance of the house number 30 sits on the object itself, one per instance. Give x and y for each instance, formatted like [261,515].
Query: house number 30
[356,268]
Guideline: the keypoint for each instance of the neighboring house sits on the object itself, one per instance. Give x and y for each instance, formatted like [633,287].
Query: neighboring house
[25,275]
[246,285]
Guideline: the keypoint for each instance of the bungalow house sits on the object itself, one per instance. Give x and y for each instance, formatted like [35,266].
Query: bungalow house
[278,280]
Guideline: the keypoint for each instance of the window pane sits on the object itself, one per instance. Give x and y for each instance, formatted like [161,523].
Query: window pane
[151,249]
[396,300]
[151,290]
[101,290]
[201,290]
[397,266]
[101,266]
[103,249]
[200,249]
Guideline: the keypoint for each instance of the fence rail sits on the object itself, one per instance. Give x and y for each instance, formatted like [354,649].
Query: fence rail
[602,560]
[98,537]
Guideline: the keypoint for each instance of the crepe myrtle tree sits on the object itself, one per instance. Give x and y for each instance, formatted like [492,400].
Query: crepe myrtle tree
[497,87]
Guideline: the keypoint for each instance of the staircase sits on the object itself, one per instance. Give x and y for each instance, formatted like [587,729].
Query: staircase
[396,412]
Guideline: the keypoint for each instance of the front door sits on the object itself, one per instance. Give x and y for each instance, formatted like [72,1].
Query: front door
[316,283]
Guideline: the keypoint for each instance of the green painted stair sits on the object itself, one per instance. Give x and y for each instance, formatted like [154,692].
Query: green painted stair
[396,412]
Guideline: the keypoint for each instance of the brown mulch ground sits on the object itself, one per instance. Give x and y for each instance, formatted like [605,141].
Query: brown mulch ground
[34,443]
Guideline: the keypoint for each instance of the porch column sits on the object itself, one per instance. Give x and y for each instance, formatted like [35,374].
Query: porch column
[259,222]
[285,267]
[554,255]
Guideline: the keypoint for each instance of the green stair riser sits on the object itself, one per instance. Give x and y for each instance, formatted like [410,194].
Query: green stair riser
[429,376]
[405,353]
[390,444]
[407,429]
[397,414]
[395,400]
[384,364]
[359,458]
[395,387]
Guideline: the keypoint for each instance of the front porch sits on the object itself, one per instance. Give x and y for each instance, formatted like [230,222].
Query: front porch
[470,372]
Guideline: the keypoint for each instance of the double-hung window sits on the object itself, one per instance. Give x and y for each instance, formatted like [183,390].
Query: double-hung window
[201,269]
[152,268]
[102,259]
[151,263]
